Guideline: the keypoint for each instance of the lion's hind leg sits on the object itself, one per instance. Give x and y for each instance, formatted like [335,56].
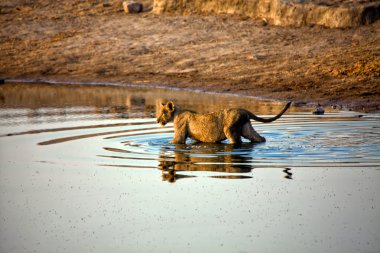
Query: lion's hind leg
[249,133]
[232,134]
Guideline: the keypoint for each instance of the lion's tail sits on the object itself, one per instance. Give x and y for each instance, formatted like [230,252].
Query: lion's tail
[264,120]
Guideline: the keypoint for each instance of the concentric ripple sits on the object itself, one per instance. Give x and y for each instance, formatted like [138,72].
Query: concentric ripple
[297,141]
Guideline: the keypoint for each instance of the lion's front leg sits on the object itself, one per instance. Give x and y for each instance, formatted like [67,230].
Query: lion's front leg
[180,131]
[177,140]
[180,136]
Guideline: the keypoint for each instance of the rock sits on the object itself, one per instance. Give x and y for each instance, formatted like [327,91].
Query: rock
[319,110]
[132,7]
[328,13]
[264,22]
[258,57]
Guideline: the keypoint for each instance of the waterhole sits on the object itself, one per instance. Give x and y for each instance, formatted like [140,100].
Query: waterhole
[87,167]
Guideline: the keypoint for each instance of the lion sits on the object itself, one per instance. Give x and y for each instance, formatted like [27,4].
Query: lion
[212,127]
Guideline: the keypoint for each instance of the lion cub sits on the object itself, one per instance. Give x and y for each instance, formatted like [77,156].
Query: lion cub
[212,127]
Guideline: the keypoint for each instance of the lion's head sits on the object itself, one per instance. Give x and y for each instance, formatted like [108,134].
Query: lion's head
[165,113]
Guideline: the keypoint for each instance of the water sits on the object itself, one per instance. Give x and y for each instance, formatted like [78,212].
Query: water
[87,169]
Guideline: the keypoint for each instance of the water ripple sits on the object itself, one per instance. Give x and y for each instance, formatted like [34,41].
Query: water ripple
[296,141]
[327,142]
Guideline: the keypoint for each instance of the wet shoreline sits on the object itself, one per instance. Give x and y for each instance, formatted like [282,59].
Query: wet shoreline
[306,104]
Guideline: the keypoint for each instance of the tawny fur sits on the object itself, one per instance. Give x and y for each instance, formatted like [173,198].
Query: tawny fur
[212,127]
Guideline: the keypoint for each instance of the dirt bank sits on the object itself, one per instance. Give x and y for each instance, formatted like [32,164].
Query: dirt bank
[77,40]
[329,13]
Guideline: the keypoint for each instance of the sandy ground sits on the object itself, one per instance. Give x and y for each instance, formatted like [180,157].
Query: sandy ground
[86,40]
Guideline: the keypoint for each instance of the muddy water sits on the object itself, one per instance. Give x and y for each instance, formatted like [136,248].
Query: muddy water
[87,169]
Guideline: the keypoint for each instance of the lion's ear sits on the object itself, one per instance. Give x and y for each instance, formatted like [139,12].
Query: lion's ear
[170,106]
[159,103]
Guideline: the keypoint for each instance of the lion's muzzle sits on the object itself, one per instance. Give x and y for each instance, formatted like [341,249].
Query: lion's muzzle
[161,122]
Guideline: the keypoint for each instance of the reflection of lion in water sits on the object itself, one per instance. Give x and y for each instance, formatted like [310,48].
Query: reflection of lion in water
[213,157]
[212,127]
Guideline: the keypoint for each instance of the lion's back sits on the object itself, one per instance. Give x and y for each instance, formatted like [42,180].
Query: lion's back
[207,127]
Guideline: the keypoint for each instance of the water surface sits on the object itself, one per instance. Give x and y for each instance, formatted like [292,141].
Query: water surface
[86,168]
